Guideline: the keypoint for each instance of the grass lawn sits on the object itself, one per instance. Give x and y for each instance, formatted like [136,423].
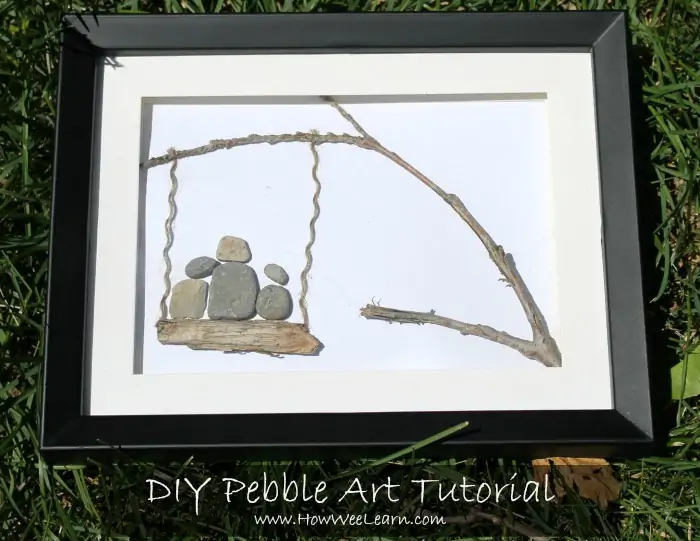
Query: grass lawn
[659,497]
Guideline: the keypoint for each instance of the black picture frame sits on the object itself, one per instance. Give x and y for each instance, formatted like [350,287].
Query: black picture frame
[69,435]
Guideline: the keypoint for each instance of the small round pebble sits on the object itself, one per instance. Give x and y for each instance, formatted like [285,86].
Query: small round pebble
[274,303]
[201,267]
[233,249]
[276,274]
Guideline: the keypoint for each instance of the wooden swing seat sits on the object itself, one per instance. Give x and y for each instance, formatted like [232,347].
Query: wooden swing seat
[257,336]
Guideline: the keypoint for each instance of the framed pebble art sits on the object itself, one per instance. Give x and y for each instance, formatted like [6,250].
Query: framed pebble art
[319,235]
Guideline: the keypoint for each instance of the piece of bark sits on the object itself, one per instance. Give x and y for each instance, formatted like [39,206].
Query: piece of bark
[271,337]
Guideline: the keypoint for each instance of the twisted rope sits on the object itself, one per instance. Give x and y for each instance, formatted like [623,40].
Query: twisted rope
[312,229]
[169,235]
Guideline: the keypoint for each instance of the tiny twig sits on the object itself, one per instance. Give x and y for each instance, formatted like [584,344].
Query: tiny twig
[347,116]
[542,347]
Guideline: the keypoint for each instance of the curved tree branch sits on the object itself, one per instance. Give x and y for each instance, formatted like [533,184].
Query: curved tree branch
[542,347]
[526,347]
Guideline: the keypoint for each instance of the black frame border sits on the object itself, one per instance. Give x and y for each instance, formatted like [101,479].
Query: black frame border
[68,435]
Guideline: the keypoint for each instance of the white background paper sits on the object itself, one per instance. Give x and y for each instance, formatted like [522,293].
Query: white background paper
[381,234]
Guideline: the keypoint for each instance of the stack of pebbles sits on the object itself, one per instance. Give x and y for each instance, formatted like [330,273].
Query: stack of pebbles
[234,292]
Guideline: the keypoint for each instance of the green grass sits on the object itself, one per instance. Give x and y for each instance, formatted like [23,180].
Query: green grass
[660,496]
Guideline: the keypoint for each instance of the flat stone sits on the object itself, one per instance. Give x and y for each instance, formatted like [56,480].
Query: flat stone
[201,267]
[188,299]
[233,249]
[274,303]
[277,274]
[233,292]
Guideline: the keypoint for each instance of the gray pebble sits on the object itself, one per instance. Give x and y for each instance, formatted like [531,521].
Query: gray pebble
[274,303]
[233,292]
[201,267]
[188,299]
[233,249]
[276,274]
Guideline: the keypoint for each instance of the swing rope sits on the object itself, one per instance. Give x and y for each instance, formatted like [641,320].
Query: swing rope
[170,237]
[312,238]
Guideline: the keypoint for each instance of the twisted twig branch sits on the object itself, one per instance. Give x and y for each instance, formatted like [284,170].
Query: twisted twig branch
[542,347]
[169,235]
[312,238]
[255,139]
